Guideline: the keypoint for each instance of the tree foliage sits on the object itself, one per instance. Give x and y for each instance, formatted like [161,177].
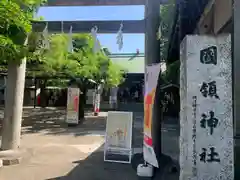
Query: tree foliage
[167,18]
[15,25]
[82,63]
[172,74]
[15,30]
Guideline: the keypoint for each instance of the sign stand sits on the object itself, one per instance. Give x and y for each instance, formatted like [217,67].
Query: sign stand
[118,139]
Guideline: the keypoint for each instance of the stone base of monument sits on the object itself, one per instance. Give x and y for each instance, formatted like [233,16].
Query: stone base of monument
[145,170]
[10,157]
[169,169]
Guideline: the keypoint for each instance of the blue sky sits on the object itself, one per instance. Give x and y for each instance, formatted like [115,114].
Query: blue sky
[131,42]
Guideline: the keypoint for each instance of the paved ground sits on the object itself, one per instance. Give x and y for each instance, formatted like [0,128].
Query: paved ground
[53,151]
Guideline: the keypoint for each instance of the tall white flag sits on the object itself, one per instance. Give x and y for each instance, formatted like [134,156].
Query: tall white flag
[159,33]
[70,39]
[45,37]
[120,37]
[96,45]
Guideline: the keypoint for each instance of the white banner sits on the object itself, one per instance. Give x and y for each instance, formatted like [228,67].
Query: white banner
[97,103]
[72,105]
[118,140]
[151,79]
[98,99]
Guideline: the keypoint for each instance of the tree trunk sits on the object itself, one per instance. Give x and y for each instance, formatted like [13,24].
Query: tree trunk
[43,96]
[82,102]
[97,99]
[35,93]
[13,105]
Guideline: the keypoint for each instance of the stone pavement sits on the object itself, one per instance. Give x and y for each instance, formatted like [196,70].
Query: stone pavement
[54,151]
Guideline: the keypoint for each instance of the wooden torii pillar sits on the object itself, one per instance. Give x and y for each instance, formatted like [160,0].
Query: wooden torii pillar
[149,26]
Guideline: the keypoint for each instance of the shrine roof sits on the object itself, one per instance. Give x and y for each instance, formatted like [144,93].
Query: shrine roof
[131,63]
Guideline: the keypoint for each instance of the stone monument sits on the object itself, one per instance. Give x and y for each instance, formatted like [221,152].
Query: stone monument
[206,136]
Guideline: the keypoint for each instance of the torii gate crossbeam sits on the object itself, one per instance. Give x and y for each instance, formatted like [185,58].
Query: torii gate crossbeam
[99,2]
[130,26]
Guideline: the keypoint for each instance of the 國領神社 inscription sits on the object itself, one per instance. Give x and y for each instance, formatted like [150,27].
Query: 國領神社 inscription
[206,135]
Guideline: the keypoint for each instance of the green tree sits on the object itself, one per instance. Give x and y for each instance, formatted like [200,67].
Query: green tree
[18,44]
[82,64]
[15,26]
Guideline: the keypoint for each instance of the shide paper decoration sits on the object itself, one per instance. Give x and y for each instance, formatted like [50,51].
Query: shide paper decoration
[70,43]
[96,46]
[159,33]
[120,37]
[45,38]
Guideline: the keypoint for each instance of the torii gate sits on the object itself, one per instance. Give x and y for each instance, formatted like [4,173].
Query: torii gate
[149,26]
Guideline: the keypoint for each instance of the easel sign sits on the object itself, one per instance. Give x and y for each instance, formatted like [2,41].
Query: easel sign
[118,139]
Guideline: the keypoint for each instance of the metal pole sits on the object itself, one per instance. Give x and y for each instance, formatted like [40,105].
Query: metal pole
[152,56]
[236,84]
[35,92]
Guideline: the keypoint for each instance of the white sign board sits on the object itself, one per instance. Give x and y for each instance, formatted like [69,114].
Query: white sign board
[206,136]
[72,105]
[151,79]
[118,140]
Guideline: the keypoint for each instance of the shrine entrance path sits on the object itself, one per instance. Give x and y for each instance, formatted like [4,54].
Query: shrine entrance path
[53,151]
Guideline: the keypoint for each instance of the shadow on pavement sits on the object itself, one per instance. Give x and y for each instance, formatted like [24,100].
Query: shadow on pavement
[51,121]
[94,168]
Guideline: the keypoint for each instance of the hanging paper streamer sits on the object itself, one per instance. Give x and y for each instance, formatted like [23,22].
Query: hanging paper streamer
[120,37]
[45,37]
[70,43]
[159,33]
[96,46]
